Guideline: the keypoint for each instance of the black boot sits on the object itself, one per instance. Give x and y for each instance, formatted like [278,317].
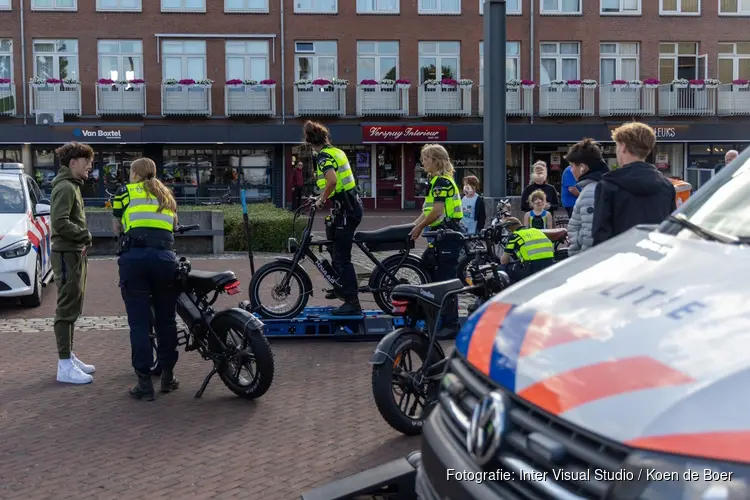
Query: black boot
[331,294]
[144,389]
[349,308]
[168,381]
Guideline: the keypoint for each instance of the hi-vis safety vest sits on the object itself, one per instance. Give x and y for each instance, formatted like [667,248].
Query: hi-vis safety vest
[143,211]
[453,208]
[533,245]
[344,175]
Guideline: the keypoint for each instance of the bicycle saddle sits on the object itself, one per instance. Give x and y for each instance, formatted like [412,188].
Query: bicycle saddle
[431,292]
[390,234]
[208,281]
[555,234]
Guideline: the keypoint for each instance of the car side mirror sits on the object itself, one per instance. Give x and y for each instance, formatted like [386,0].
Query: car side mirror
[42,209]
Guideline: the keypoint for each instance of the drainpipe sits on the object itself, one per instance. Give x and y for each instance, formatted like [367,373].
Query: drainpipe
[283,66]
[531,52]
[23,65]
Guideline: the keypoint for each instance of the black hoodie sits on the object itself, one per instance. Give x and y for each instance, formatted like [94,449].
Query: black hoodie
[636,193]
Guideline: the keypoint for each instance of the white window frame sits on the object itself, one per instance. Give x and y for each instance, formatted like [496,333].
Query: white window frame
[315,9]
[559,58]
[622,12]
[182,8]
[618,58]
[376,56]
[739,13]
[675,56]
[54,6]
[246,9]
[559,11]
[184,56]
[119,8]
[315,58]
[120,56]
[508,10]
[734,57]
[247,56]
[362,9]
[5,5]
[56,57]
[678,12]
[516,57]
[438,58]
[439,11]
[9,54]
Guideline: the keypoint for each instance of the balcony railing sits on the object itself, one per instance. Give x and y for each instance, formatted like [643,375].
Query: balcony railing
[56,96]
[374,100]
[689,101]
[438,100]
[734,100]
[616,100]
[250,100]
[7,99]
[319,100]
[118,99]
[185,100]
[519,101]
[566,101]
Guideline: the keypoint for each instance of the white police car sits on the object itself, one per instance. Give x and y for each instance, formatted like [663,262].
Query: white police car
[24,236]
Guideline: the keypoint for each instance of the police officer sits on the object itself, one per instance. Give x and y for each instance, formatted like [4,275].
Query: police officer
[145,216]
[335,179]
[442,209]
[530,247]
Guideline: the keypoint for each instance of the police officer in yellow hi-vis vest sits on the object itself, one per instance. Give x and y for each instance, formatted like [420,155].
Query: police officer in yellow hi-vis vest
[145,217]
[442,209]
[335,180]
[530,248]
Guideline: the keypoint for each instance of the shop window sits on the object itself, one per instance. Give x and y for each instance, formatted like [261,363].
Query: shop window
[244,168]
[44,166]
[304,154]
[180,174]
[10,155]
[670,159]
[115,167]
[360,160]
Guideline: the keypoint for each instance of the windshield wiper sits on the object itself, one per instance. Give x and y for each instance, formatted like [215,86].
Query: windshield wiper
[706,234]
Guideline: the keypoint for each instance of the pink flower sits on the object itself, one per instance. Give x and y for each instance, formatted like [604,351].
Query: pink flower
[574,82]
[105,81]
[448,81]
[4,80]
[527,82]
[321,81]
[651,81]
[368,82]
[268,82]
[137,80]
[187,81]
[619,82]
[697,82]
[401,81]
[740,81]
[53,80]
[235,81]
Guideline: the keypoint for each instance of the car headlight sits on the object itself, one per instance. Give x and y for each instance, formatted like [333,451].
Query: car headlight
[17,249]
[655,476]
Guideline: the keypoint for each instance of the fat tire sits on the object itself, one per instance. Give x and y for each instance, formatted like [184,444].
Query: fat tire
[383,299]
[264,361]
[35,299]
[255,287]
[467,260]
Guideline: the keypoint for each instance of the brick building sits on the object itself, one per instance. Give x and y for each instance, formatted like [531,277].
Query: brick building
[61,60]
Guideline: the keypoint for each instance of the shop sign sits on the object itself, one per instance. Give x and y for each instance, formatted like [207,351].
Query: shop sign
[99,134]
[404,133]
[665,131]
[555,161]
[662,161]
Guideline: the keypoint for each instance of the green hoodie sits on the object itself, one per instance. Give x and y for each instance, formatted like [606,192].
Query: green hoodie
[67,218]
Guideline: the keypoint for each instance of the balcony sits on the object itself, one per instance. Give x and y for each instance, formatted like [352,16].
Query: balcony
[374,100]
[56,96]
[519,101]
[250,100]
[7,99]
[566,100]
[623,100]
[676,100]
[185,99]
[319,100]
[120,99]
[448,100]
[734,100]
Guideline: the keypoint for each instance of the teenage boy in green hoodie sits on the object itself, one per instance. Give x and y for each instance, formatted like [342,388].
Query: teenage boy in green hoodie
[70,240]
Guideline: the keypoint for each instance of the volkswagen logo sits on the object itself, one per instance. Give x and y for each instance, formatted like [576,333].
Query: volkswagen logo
[486,428]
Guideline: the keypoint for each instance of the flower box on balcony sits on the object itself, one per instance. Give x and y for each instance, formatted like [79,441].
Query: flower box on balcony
[712,83]
[574,84]
[619,84]
[53,93]
[651,83]
[121,98]
[740,84]
[186,97]
[697,84]
[635,84]
[448,84]
[680,84]
[303,84]
[250,100]
[403,84]
[528,84]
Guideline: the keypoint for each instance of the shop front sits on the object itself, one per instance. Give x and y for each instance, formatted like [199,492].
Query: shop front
[703,160]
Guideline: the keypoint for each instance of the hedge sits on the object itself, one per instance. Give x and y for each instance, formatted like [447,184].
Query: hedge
[271,226]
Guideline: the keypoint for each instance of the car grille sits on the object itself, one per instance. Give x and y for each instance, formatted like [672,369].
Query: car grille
[583,452]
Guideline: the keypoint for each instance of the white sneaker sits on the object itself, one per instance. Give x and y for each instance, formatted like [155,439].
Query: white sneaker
[69,373]
[81,365]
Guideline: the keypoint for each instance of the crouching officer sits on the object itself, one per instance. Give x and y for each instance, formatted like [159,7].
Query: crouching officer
[335,179]
[145,217]
[530,248]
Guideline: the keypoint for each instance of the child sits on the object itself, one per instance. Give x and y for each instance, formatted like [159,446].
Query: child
[538,217]
[473,206]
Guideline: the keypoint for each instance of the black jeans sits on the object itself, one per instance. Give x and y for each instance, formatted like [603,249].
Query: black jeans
[341,231]
[446,268]
[517,271]
[296,197]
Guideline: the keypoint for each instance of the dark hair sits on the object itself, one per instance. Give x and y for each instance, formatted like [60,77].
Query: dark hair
[586,151]
[73,150]
[316,133]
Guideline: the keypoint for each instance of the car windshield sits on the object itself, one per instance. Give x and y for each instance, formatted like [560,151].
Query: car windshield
[11,197]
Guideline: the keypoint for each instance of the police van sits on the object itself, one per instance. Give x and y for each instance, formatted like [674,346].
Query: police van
[25,266]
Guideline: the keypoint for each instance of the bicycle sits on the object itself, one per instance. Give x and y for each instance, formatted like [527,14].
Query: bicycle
[225,199]
[382,279]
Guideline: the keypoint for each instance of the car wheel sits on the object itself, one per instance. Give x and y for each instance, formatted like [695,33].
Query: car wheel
[35,299]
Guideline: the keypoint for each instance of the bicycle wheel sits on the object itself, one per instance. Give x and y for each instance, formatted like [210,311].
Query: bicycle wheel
[283,303]
[413,267]
[471,261]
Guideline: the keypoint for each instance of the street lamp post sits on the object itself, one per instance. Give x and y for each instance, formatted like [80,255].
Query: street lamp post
[495,182]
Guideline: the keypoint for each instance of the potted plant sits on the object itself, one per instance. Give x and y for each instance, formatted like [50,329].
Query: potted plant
[651,83]
[619,84]
[303,84]
[448,84]
[635,84]
[528,84]
[589,84]
[573,84]
[170,81]
[712,83]
[386,84]
[322,83]
[137,82]
[680,83]
[4,82]
[340,83]
[204,83]
[557,83]
[368,85]
[403,84]
[465,83]
[268,83]
[431,83]
[186,81]
[235,82]
[697,84]
[740,84]
[105,82]
[70,82]
[512,84]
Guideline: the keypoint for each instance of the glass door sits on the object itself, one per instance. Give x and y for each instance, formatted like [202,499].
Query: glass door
[390,182]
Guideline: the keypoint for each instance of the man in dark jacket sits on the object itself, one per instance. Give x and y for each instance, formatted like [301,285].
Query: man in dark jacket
[539,181]
[636,192]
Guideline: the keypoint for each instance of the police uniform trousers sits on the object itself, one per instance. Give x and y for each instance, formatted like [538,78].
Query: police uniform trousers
[517,271]
[341,230]
[444,268]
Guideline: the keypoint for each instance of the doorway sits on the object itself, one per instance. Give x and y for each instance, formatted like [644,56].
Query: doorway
[390,175]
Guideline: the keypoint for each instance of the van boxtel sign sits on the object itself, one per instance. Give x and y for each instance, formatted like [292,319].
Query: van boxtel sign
[404,133]
[125,133]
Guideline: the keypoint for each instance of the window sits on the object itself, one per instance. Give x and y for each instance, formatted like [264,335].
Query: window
[561,6]
[512,61]
[618,61]
[679,7]
[54,5]
[512,7]
[4,4]
[183,5]
[559,61]
[6,58]
[315,60]
[245,5]
[680,60]
[56,59]
[734,61]
[377,61]
[378,6]
[624,7]
[443,55]
[247,60]
[119,5]
[439,6]
[316,6]
[734,7]
[184,59]
[121,59]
